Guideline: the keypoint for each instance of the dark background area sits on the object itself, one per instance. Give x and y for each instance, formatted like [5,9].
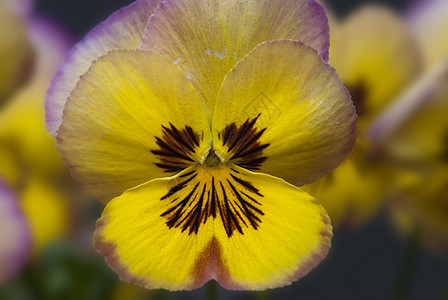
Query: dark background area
[81,15]
[372,263]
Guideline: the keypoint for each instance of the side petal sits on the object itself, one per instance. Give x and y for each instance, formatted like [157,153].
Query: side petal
[14,234]
[120,131]
[284,111]
[207,38]
[245,230]
[122,30]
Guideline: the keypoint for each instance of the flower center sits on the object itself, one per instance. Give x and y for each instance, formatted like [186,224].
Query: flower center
[212,160]
[212,187]
[240,145]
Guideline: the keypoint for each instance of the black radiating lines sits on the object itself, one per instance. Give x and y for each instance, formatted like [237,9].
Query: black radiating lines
[244,144]
[176,148]
[232,199]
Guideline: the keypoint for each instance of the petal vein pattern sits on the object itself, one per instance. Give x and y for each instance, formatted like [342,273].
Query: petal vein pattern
[176,148]
[246,230]
[208,193]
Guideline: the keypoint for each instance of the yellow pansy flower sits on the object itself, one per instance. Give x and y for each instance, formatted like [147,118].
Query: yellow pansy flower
[418,151]
[178,138]
[376,57]
[29,162]
[32,166]
[414,135]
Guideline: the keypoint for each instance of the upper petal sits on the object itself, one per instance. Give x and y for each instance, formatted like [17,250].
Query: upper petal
[132,117]
[245,230]
[122,30]
[282,110]
[206,38]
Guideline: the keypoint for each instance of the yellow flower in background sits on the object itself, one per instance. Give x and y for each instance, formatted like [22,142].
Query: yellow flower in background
[32,166]
[413,134]
[183,136]
[29,163]
[376,57]
[15,50]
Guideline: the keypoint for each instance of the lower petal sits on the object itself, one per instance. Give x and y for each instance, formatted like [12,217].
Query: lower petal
[245,230]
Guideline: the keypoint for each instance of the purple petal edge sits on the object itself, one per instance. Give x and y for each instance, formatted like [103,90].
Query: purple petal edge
[53,107]
[15,260]
[418,9]
[321,14]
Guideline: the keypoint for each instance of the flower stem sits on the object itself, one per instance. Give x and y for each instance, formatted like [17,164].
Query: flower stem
[212,290]
[407,266]
[263,295]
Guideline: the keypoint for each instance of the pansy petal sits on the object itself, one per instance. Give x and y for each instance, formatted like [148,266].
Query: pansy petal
[284,111]
[207,38]
[14,235]
[245,230]
[122,30]
[120,131]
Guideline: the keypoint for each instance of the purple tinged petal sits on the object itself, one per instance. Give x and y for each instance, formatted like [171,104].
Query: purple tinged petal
[51,43]
[14,235]
[122,30]
[22,8]
[206,38]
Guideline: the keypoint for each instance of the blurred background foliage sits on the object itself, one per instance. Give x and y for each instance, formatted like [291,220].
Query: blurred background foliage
[388,201]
